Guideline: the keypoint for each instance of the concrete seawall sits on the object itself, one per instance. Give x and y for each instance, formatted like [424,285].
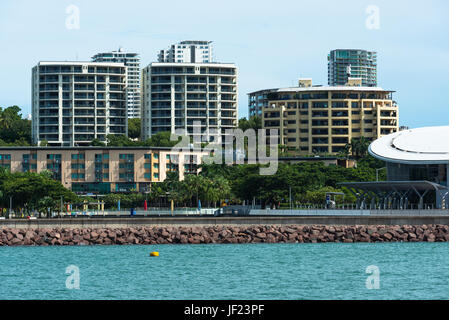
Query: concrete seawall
[224,221]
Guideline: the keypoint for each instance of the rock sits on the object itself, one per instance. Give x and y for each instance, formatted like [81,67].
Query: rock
[94,235]
[165,234]
[411,236]
[29,235]
[430,238]
[16,242]
[261,235]
[387,236]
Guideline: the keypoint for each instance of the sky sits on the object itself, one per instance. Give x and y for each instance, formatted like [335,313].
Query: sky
[273,43]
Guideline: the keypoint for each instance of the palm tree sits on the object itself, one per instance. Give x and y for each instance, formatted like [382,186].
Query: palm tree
[359,147]
[192,183]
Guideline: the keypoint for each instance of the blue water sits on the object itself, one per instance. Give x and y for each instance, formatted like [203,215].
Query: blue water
[244,271]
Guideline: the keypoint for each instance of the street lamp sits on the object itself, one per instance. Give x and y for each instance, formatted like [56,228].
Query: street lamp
[377,173]
[10,207]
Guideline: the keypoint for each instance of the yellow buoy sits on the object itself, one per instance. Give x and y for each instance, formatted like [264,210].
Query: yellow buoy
[154,254]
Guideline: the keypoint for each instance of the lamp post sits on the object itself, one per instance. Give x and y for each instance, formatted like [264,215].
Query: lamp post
[290,194]
[10,207]
[377,173]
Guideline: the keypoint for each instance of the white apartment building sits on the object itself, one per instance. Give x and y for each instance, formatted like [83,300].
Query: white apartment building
[76,102]
[132,63]
[188,52]
[177,95]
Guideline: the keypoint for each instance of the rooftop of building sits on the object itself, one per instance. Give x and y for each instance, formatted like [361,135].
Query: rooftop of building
[193,64]
[119,51]
[364,50]
[322,88]
[71,63]
[426,145]
[203,42]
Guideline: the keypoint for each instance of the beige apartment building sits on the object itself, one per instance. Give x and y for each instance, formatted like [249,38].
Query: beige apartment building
[103,169]
[322,120]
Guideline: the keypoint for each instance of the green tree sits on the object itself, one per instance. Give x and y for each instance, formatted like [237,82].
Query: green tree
[359,147]
[27,189]
[113,140]
[97,143]
[161,139]
[14,131]
[254,122]
[134,128]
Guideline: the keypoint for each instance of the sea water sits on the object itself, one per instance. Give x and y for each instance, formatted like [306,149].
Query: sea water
[241,271]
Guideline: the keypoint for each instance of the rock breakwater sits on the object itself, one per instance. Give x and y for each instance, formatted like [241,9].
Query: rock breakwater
[223,234]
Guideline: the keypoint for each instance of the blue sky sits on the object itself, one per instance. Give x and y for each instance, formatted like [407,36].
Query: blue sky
[272,42]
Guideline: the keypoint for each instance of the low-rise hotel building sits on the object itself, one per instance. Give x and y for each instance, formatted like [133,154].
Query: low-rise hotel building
[322,120]
[103,169]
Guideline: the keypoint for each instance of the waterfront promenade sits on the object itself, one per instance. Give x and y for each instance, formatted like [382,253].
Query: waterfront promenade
[366,217]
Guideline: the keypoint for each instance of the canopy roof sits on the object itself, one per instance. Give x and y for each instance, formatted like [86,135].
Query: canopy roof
[382,186]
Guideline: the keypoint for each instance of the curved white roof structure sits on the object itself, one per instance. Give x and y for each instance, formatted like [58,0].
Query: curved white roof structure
[429,145]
